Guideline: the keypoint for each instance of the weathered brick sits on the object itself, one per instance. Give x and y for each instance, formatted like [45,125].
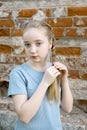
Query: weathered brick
[1,4]
[18,59]
[76,62]
[74,74]
[18,50]
[58,32]
[59,22]
[3,92]
[76,32]
[5,69]
[77,11]
[16,32]
[5,14]
[84,76]
[82,102]
[27,12]
[4,32]
[80,21]
[75,51]
[85,33]
[6,58]
[48,12]
[5,49]
[6,23]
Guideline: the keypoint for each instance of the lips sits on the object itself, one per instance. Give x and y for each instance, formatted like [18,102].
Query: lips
[34,57]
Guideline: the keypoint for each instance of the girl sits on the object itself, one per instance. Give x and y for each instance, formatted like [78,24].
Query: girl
[30,82]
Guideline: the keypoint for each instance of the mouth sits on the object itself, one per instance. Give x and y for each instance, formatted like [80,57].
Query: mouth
[34,57]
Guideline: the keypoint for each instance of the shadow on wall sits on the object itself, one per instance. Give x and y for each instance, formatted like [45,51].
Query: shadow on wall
[3,88]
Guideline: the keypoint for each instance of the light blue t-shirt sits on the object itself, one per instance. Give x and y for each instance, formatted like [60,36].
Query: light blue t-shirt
[25,80]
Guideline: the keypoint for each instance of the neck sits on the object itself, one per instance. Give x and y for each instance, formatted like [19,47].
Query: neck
[38,66]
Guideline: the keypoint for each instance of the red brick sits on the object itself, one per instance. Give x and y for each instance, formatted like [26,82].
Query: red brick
[5,49]
[74,51]
[6,23]
[4,32]
[60,22]
[83,63]
[16,32]
[58,32]
[27,12]
[80,22]
[48,12]
[73,32]
[77,11]
[84,76]
[82,102]
[74,74]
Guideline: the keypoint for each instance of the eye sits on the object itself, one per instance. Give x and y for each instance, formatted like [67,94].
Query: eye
[38,44]
[27,45]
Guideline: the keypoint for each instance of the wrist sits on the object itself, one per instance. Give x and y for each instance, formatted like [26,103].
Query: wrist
[44,85]
[64,76]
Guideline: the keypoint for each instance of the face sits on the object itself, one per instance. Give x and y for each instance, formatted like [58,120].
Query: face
[37,45]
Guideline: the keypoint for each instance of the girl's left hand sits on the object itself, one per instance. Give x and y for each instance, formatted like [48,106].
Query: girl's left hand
[62,68]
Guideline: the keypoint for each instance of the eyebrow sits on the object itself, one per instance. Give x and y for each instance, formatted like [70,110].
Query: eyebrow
[34,41]
[38,41]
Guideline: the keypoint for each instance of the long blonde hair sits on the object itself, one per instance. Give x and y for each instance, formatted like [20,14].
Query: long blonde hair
[53,91]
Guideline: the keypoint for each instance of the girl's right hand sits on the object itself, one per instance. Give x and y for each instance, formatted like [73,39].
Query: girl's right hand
[50,75]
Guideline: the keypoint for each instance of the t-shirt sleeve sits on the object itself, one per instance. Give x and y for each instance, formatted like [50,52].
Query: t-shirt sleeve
[17,84]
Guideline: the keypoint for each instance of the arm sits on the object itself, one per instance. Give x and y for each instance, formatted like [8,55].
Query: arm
[67,99]
[27,108]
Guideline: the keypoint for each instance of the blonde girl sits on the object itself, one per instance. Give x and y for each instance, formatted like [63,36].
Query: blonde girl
[36,104]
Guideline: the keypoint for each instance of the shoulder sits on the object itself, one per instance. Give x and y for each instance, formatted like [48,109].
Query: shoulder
[17,70]
[18,74]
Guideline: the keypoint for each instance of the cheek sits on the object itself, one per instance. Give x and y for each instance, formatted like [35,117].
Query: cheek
[44,51]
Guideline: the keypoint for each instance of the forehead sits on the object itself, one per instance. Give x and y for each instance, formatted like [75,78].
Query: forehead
[34,34]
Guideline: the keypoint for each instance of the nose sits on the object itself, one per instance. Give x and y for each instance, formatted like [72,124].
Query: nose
[33,48]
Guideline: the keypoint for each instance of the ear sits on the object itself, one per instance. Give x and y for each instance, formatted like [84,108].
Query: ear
[50,44]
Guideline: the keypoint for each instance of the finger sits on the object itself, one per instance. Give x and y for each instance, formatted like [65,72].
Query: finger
[53,69]
[61,67]
[57,73]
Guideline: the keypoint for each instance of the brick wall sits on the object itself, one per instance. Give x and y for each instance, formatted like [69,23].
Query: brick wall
[69,22]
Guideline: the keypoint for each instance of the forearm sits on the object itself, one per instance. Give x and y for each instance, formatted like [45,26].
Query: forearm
[67,99]
[27,108]
[31,106]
